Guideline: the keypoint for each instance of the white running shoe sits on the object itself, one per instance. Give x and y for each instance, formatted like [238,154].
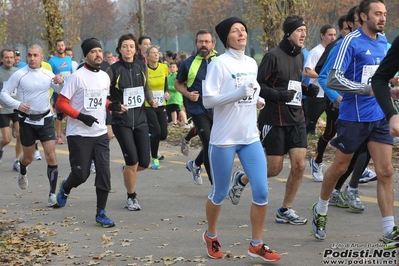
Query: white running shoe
[37,156]
[368,175]
[16,166]
[317,170]
[23,181]
[92,167]
[132,204]
[52,200]
[195,172]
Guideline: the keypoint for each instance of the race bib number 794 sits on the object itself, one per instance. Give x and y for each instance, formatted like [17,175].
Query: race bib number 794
[94,99]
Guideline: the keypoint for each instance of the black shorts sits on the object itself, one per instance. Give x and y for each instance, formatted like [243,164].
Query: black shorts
[30,133]
[279,140]
[5,119]
[173,108]
[351,135]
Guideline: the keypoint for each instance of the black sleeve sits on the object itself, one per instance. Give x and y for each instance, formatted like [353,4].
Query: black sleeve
[324,56]
[380,81]
[166,88]
[266,67]
[182,73]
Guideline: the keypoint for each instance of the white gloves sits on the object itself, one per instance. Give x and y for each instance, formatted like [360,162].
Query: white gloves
[247,89]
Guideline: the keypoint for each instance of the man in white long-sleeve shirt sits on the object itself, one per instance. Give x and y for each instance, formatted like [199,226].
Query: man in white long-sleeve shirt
[32,84]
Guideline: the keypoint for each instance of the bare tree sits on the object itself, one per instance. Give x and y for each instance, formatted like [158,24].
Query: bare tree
[3,23]
[141,17]
[207,14]
[128,20]
[24,22]
[73,11]
[270,15]
[99,22]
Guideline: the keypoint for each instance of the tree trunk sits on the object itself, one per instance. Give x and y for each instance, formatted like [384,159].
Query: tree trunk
[53,24]
[141,18]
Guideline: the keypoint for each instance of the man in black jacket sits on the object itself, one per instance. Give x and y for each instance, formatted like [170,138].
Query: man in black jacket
[282,122]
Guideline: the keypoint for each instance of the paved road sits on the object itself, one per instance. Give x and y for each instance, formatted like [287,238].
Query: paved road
[169,226]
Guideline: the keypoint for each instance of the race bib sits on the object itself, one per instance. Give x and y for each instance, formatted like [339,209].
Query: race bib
[249,100]
[246,79]
[368,73]
[94,99]
[295,86]
[159,95]
[133,97]
[34,122]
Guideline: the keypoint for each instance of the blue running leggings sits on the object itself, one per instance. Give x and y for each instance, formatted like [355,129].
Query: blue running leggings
[253,161]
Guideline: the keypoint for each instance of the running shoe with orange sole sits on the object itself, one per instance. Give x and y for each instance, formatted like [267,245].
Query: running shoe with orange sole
[264,252]
[212,247]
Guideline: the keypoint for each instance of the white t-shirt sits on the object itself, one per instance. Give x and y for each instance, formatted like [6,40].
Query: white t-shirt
[75,65]
[311,62]
[87,92]
[233,123]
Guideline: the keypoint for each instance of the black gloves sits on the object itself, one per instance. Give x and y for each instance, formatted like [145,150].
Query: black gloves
[87,119]
[311,90]
[286,96]
[115,106]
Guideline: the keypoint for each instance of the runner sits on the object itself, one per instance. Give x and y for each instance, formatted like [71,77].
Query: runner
[235,99]
[83,100]
[35,118]
[129,85]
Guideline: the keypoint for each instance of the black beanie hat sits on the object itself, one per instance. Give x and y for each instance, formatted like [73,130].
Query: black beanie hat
[89,44]
[291,23]
[223,28]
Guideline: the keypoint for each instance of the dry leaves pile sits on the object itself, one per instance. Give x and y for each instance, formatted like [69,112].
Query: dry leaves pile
[26,245]
[21,245]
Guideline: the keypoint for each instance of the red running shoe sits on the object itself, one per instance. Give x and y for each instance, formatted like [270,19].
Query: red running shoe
[212,247]
[264,252]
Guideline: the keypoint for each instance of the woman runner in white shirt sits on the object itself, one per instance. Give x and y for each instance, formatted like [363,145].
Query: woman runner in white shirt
[232,90]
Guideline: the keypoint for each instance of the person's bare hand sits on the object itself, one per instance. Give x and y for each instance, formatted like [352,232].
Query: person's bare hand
[166,96]
[395,81]
[58,79]
[154,103]
[395,92]
[193,96]
[260,103]
[24,107]
[123,108]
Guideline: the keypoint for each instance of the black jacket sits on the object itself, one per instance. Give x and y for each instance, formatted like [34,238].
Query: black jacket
[129,75]
[275,71]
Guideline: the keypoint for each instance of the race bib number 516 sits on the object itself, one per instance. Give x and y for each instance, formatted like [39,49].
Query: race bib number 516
[133,97]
